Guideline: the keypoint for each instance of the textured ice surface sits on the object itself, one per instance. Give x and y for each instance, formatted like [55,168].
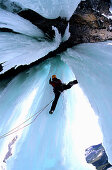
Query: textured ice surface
[92,65]
[17,49]
[18,24]
[25,47]
[10,6]
[51,8]
[66,34]
[52,142]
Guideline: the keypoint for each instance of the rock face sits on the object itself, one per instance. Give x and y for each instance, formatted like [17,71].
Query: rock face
[9,153]
[97,156]
[89,23]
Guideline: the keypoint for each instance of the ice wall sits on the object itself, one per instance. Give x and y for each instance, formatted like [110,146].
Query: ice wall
[55,141]
[58,141]
[92,65]
[52,8]
[19,24]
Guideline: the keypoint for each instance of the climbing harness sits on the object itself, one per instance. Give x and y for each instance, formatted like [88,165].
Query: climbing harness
[14,130]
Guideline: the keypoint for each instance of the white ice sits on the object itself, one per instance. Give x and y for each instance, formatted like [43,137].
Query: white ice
[17,49]
[19,24]
[92,65]
[25,47]
[52,8]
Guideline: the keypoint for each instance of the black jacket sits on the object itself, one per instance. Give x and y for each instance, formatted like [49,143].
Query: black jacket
[58,86]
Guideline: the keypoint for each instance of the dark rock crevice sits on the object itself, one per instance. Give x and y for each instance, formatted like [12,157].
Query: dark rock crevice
[43,23]
[13,72]
[8,30]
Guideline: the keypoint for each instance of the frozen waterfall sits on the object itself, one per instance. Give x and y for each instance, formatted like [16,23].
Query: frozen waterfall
[52,141]
[55,141]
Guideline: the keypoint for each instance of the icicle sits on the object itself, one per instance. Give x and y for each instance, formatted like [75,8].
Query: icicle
[16,49]
[66,34]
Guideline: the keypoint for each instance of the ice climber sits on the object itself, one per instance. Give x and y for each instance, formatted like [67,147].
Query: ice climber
[58,88]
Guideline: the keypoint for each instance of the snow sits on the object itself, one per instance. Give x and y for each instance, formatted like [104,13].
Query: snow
[107,16]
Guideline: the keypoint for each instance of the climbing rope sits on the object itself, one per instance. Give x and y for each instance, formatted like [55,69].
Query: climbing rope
[14,129]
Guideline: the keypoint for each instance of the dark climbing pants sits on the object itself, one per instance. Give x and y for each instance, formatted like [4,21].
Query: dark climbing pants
[57,93]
